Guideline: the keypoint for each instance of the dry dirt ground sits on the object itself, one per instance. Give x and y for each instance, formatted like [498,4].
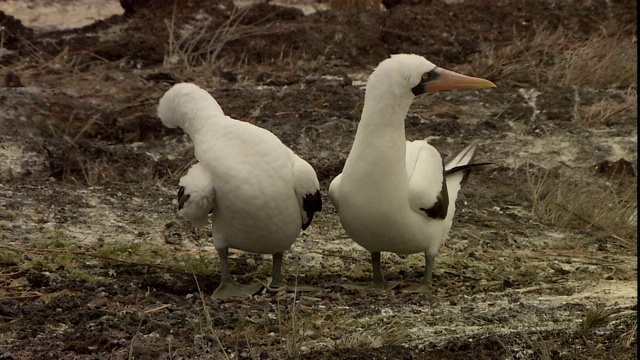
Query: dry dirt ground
[94,263]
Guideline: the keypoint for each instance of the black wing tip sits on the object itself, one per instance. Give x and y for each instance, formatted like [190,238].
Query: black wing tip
[182,198]
[440,209]
[311,203]
[306,225]
[318,201]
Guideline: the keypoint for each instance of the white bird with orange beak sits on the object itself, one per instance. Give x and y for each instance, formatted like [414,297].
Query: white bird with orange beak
[394,195]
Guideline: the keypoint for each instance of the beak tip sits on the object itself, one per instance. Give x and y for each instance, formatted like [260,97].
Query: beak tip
[490,84]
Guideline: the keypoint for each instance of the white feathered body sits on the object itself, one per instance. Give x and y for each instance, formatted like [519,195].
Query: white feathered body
[251,182]
[394,220]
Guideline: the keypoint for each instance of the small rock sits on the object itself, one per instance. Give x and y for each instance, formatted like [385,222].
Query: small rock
[337,335]
[171,234]
[620,167]
[12,80]
[557,268]
[229,76]
[166,77]
[467,308]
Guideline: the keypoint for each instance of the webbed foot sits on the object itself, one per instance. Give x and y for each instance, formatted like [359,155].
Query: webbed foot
[231,289]
[421,288]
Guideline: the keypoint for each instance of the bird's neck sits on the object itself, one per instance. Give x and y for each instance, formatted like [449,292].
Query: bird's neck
[196,122]
[193,128]
[381,135]
[381,128]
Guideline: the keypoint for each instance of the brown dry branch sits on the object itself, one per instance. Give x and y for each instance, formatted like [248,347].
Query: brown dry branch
[201,45]
[522,61]
[209,321]
[41,56]
[134,337]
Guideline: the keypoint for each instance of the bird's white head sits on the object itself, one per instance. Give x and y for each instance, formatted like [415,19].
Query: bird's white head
[409,75]
[186,102]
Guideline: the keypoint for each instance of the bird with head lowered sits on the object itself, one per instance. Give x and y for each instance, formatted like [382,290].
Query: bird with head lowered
[259,193]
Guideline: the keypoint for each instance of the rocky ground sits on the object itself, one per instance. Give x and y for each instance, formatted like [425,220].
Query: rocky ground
[542,258]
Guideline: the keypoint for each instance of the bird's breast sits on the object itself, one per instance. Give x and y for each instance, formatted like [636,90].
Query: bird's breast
[380,222]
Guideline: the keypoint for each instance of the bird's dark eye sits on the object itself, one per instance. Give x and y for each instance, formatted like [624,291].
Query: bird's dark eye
[425,76]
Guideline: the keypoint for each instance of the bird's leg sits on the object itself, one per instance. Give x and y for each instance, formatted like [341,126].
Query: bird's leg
[225,276]
[229,288]
[425,286]
[276,271]
[379,282]
[378,279]
[276,278]
[429,261]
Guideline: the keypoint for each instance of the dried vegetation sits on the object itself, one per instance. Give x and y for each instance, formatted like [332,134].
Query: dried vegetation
[577,201]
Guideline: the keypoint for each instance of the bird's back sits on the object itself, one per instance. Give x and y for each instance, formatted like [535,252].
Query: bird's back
[252,172]
[249,169]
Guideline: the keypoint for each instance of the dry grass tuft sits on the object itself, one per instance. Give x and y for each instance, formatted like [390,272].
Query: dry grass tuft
[379,334]
[629,337]
[520,61]
[595,318]
[605,110]
[538,344]
[292,325]
[558,57]
[574,202]
[602,61]
[200,45]
[208,320]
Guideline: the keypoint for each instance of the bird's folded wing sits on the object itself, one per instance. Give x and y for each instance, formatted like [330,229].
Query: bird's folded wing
[307,189]
[196,198]
[334,190]
[425,171]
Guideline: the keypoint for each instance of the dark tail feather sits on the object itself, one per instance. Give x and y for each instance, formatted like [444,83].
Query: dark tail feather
[466,168]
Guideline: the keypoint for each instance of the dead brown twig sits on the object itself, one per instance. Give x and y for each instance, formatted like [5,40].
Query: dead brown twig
[202,45]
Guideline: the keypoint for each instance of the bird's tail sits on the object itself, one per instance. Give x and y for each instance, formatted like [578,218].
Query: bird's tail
[462,163]
[186,104]
[457,170]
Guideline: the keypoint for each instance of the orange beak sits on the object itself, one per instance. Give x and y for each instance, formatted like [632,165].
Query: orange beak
[449,80]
